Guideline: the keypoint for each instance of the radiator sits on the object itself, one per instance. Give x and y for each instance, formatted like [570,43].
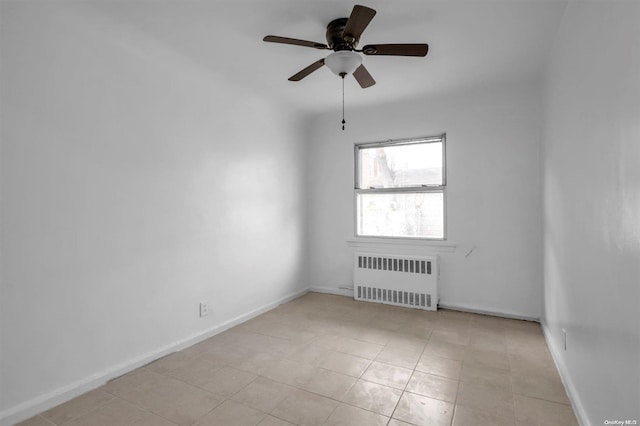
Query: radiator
[401,280]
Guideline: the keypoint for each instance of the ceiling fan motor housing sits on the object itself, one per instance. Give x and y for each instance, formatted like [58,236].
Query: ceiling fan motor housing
[336,39]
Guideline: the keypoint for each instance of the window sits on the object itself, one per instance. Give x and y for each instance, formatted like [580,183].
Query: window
[400,188]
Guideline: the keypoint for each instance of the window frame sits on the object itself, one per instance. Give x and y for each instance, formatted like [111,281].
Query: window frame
[406,189]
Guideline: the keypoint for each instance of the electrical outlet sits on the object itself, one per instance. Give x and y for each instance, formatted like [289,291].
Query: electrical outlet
[204,308]
[564,338]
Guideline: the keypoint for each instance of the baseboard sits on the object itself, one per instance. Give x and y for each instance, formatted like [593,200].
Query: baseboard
[332,290]
[49,400]
[569,386]
[343,291]
[475,310]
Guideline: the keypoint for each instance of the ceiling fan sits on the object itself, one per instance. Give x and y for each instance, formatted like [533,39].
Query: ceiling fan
[343,35]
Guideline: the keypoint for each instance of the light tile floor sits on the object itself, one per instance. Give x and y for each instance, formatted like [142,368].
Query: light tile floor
[329,360]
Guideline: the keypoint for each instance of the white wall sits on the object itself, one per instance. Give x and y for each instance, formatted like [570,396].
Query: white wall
[134,185]
[592,207]
[493,193]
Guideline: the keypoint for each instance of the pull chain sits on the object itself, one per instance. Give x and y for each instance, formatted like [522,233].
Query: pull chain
[343,122]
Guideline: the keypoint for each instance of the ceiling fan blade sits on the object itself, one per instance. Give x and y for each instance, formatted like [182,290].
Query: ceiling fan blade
[358,21]
[396,49]
[295,42]
[363,77]
[308,70]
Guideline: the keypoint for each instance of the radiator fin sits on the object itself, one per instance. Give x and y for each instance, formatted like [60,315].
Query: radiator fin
[395,297]
[412,266]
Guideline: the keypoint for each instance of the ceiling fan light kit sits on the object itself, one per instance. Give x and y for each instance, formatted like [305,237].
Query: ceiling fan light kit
[343,62]
[343,36]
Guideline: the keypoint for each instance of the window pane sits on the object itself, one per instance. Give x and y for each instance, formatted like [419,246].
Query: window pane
[400,165]
[407,214]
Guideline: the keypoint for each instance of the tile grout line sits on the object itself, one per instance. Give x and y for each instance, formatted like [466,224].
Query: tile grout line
[83,414]
[410,377]
[513,400]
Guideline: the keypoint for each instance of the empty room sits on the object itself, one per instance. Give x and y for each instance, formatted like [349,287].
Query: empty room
[319,212]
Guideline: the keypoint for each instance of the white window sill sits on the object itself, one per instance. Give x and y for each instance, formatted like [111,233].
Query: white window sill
[403,244]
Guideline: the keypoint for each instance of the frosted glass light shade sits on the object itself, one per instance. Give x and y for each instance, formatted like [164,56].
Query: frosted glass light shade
[343,61]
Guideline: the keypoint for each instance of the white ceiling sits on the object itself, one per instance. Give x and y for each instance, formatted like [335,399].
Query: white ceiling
[473,43]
